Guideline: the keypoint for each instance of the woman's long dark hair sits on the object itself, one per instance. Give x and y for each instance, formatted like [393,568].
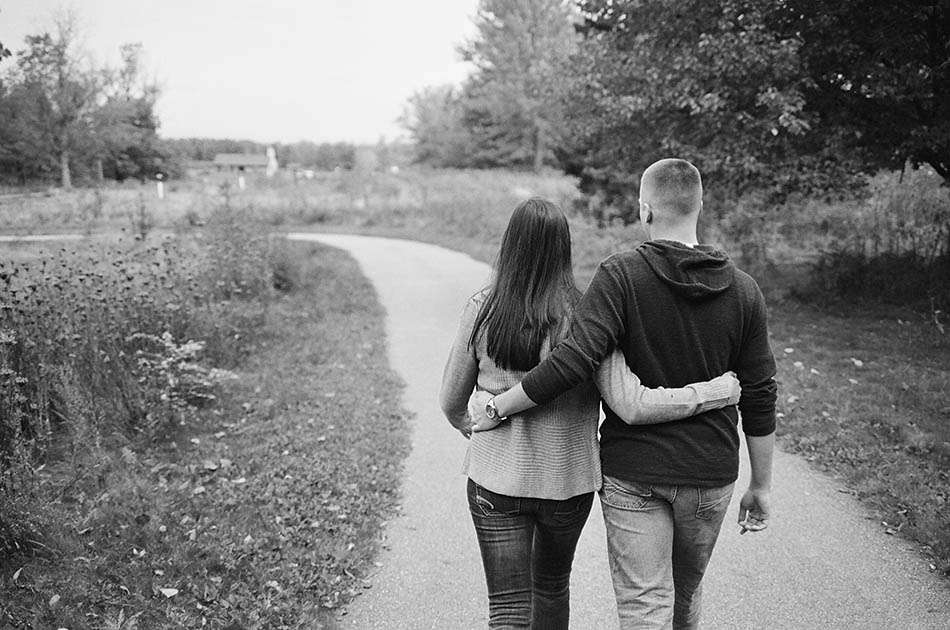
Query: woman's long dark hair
[532,288]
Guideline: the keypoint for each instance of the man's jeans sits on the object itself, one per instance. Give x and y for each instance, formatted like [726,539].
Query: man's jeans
[527,549]
[659,539]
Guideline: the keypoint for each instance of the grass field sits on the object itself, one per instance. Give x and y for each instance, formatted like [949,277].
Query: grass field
[864,397]
[263,511]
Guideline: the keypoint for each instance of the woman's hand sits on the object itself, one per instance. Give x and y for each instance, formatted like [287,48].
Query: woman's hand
[735,390]
[476,411]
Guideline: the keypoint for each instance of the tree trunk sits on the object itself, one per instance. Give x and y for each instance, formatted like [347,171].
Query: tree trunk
[538,148]
[99,175]
[65,179]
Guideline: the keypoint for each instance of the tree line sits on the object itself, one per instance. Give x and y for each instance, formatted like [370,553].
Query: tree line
[61,116]
[323,156]
[795,96]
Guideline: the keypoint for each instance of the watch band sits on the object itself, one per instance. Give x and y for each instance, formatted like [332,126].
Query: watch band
[491,411]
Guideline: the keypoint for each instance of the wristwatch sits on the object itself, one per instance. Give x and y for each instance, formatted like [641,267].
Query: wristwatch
[492,412]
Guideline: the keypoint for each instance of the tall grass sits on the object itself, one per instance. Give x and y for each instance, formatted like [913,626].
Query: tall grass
[113,344]
[810,245]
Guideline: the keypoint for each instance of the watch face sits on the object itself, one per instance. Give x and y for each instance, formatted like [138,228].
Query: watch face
[490,410]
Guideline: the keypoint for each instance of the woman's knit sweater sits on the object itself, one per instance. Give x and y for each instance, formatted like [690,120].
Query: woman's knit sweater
[549,452]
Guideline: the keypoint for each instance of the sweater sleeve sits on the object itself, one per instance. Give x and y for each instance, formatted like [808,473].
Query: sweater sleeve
[597,326]
[461,371]
[635,404]
[756,370]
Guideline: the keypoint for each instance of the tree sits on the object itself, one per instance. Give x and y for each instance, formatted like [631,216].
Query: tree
[57,75]
[512,102]
[706,81]
[58,112]
[27,149]
[878,76]
[434,118]
[124,125]
[795,96]
[4,52]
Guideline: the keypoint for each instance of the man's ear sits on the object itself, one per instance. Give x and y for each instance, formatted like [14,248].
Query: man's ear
[648,219]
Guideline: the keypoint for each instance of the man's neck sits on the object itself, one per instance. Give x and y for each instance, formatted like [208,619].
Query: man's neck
[684,235]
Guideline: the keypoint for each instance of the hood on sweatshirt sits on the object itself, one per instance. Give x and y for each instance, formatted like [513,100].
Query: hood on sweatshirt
[696,273]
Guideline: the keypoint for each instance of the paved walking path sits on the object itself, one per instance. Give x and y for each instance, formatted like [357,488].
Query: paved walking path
[39,238]
[822,563]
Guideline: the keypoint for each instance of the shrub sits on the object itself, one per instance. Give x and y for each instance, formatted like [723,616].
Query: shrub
[284,267]
[894,278]
[895,246]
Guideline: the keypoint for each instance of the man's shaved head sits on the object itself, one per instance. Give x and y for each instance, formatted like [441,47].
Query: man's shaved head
[672,188]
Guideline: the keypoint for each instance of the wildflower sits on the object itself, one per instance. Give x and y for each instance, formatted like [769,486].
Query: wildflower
[7,337]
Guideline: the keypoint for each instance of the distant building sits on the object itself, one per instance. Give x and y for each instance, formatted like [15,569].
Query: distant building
[199,168]
[241,162]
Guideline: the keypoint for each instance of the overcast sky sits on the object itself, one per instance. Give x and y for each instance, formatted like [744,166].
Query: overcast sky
[273,70]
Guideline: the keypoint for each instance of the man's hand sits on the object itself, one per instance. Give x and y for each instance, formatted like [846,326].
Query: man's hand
[754,510]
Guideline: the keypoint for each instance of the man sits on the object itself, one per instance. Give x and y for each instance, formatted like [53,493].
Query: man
[680,312]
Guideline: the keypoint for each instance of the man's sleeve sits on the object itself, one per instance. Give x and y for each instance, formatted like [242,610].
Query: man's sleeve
[596,328]
[756,371]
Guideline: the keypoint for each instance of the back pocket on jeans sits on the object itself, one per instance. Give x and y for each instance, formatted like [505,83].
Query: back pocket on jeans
[625,495]
[488,503]
[712,501]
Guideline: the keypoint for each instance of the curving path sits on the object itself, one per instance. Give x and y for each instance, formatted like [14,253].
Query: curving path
[822,564]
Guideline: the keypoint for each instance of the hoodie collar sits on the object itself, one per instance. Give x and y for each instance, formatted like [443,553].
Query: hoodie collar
[696,272]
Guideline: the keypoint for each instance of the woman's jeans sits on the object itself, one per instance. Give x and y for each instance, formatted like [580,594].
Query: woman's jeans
[527,548]
[660,539]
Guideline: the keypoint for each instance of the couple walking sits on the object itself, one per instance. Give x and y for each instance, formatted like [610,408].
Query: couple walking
[673,315]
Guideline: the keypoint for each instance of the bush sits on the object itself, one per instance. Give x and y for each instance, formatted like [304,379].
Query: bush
[893,278]
[895,246]
[285,268]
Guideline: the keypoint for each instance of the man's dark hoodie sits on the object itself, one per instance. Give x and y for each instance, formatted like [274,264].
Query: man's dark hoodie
[680,314]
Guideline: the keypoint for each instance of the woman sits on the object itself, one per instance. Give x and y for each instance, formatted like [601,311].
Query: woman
[531,483]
